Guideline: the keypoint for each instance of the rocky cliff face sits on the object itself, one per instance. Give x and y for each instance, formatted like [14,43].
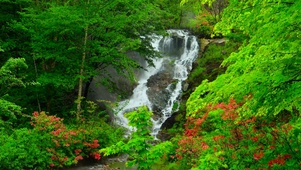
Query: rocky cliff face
[119,86]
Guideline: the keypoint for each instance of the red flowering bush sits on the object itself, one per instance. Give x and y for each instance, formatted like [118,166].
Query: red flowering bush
[221,138]
[66,145]
[52,144]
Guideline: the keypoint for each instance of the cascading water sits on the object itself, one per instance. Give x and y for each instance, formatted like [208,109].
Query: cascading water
[160,87]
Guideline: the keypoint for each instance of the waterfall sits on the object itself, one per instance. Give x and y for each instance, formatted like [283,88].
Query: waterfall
[160,87]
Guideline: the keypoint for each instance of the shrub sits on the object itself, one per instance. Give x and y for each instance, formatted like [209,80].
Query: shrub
[53,144]
[140,148]
[222,138]
[23,150]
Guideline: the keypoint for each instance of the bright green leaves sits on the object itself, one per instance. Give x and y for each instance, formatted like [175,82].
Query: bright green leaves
[139,147]
[9,74]
[10,77]
[140,119]
[267,65]
[8,112]
[209,2]
[56,35]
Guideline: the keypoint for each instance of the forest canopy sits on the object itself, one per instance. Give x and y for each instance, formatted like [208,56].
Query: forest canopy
[247,117]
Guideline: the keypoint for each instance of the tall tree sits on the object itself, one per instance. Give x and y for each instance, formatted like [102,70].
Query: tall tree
[10,78]
[73,40]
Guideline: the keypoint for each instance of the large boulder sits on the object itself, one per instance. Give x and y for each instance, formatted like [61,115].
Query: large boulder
[159,88]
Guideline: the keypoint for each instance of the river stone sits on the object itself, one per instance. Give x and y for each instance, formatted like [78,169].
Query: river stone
[157,92]
[159,100]
[185,86]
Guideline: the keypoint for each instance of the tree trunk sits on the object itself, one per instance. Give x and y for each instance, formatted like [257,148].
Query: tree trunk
[81,74]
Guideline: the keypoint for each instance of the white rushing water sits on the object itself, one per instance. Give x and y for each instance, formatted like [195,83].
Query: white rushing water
[179,49]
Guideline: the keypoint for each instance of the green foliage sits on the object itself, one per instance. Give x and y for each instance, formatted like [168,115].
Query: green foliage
[208,65]
[11,44]
[209,2]
[52,41]
[57,34]
[139,147]
[8,111]
[172,12]
[10,74]
[22,150]
[201,25]
[265,67]
[207,14]
[10,77]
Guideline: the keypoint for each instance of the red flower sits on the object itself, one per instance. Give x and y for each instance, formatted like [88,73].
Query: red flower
[179,157]
[255,139]
[79,157]
[204,146]
[77,151]
[35,114]
[287,156]
[190,132]
[97,156]
[258,156]
[216,138]
[52,165]
[280,160]
[94,145]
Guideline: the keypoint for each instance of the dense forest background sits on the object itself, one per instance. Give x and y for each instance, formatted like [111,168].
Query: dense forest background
[241,111]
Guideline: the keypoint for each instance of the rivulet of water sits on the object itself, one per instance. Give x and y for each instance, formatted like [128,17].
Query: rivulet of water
[179,50]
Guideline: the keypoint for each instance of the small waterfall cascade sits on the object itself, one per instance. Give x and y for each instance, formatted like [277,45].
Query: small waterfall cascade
[160,87]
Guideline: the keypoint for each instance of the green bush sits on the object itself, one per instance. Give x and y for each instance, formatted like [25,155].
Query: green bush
[24,149]
[140,147]
[208,65]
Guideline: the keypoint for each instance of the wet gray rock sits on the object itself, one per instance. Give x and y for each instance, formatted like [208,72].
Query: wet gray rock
[157,92]
[185,86]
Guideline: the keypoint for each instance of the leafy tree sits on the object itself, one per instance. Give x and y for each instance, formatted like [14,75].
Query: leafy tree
[214,7]
[207,14]
[10,78]
[72,41]
[172,12]
[11,44]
